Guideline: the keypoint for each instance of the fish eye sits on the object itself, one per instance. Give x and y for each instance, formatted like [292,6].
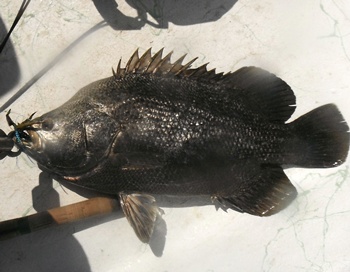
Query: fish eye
[47,124]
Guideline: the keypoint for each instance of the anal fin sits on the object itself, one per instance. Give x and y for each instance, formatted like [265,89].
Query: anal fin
[265,194]
[141,211]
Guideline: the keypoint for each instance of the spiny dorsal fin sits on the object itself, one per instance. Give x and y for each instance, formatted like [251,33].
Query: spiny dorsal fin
[156,64]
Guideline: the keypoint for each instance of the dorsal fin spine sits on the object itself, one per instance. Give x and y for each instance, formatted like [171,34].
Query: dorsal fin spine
[164,65]
[177,65]
[198,71]
[154,62]
[143,62]
[130,66]
[118,69]
[185,67]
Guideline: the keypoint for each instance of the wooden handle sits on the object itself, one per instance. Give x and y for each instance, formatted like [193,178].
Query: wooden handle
[57,216]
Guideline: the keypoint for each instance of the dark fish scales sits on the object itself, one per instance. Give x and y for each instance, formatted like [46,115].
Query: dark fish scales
[157,127]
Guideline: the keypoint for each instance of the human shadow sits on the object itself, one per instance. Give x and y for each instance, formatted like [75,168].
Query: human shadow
[9,68]
[159,13]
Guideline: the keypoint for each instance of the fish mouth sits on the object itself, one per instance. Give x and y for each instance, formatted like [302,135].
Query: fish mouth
[29,139]
[34,141]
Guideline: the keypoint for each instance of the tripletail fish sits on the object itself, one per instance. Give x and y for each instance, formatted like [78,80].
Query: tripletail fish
[157,127]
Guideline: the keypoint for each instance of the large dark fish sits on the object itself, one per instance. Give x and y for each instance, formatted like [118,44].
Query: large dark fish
[157,127]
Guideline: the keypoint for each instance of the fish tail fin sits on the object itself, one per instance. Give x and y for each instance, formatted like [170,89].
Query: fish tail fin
[322,138]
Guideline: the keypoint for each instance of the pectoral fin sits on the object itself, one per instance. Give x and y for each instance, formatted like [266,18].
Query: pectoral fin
[264,194]
[141,211]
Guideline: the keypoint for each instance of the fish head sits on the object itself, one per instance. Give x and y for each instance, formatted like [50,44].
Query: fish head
[56,140]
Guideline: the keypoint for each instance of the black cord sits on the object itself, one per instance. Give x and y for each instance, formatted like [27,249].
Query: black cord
[23,7]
